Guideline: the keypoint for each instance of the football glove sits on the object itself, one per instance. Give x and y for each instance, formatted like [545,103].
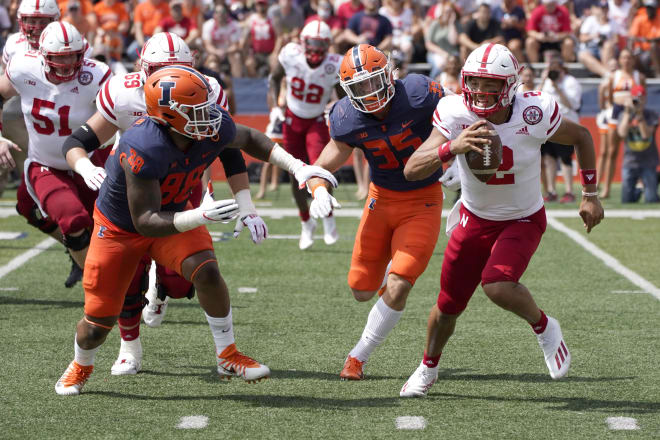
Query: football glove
[248,217]
[450,178]
[305,172]
[93,175]
[323,203]
[213,211]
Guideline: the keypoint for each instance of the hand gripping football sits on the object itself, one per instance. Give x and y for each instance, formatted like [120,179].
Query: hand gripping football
[484,166]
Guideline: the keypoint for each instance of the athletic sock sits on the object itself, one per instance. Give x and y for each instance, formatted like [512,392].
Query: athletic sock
[304,215]
[431,361]
[540,326]
[133,347]
[129,328]
[222,331]
[84,357]
[380,322]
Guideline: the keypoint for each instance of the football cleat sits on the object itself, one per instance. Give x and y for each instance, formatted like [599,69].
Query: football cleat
[557,356]
[352,369]
[75,274]
[154,312]
[330,234]
[73,379]
[421,381]
[307,234]
[126,363]
[232,362]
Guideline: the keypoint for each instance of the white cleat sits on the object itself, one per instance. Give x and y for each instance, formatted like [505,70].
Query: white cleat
[307,234]
[557,356]
[126,363]
[330,234]
[73,379]
[421,381]
[154,312]
[232,362]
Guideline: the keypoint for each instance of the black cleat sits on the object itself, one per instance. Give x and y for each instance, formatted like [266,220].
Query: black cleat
[74,276]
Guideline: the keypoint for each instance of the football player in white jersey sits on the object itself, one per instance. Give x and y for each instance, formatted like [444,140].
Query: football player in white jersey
[58,88]
[311,75]
[499,223]
[120,103]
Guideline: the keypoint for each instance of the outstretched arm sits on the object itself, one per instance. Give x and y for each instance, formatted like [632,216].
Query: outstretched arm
[7,90]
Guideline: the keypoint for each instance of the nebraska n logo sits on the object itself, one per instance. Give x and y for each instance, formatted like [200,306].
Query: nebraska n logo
[166,95]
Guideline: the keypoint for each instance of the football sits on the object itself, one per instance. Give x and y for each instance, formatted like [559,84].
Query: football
[484,166]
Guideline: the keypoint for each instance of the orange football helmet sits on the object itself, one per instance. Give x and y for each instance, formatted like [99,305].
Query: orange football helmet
[180,97]
[367,78]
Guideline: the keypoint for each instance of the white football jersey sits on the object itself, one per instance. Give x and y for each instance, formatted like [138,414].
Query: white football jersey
[515,190]
[121,101]
[308,90]
[53,111]
[17,42]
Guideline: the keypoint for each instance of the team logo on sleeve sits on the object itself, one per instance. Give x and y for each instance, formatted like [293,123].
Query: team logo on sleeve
[85,77]
[532,115]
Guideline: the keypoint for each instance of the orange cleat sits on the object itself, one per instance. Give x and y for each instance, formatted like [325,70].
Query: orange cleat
[73,379]
[352,369]
[232,362]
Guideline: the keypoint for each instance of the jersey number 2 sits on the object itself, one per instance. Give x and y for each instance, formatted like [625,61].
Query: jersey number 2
[314,92]
[507,164]
[48,126]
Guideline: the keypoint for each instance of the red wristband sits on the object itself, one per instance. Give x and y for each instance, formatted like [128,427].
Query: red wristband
[444,152]
[588,177]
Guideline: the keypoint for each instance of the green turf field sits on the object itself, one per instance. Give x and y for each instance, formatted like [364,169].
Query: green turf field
[302,321]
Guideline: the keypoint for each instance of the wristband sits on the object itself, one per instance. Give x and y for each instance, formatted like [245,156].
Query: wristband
[444,152]
[282,159]
[588,177]
[589,194]
[315,187]
[83,165]
[244,202]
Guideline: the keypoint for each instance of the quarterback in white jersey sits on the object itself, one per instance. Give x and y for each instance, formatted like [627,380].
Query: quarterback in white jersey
[500,223]
[119,104]
[311,75]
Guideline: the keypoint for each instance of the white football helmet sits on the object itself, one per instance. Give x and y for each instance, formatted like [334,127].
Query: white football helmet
[34,16]
[164,49]
[316,39]
[58,42]
[490,61]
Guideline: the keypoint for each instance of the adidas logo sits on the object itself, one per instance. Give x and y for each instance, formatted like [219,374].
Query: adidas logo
[74,90]
[523,131]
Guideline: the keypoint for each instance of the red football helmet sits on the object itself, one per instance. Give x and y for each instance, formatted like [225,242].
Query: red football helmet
[62,49]
[366,76]
[34,16]
[164,49]
[181,98]
[316,38]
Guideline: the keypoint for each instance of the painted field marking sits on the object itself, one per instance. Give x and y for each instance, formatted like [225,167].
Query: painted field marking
[410,423]
[606,258]
[8,212]
[23,258]
[628,291]
[193,422]
[9,289]
[247,290]
[12,235]
[622,423]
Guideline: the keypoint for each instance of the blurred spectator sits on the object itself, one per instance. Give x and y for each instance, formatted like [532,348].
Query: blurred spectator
[637,128]
[620,83]
[368,26]
[146,17]
[259,41]
[179,24]
[325,13]
[288,20]
[527,79]
[604,116]
[209,65]
[596,40]
[619,15]
[549,28]
[450,78]
[5,24]
[404,26]
[222,37]
[441,38]
[645,32]
[567,91]
[348,9]
[192,10]
[239,10]
[109,47]
[512,20]
[81,15]
[114,12]
[482,29]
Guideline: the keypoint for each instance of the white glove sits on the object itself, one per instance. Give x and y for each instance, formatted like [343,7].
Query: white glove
[248,217]
[255,224]
[306,172]
[450,178]
[93,175]
[323,203]
[276,114]
[220,211]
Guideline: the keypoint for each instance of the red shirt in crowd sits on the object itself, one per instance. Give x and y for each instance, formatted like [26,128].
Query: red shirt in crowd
[542,21]
[333,22]
[346,10]
[262,34]
[181,28]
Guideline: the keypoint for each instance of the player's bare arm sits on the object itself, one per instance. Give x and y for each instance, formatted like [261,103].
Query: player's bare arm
[6,91]
[570,133]
[333,156]
[275,83]
[82,140]
[428,157]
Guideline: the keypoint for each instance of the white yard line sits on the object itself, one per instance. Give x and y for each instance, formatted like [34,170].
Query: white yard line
[193,422]
[606,258]
[410,423]
[23,258]
[622,423]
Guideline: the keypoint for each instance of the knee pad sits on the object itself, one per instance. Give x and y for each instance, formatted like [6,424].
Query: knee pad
[34,218]
[78,243]
[172,284]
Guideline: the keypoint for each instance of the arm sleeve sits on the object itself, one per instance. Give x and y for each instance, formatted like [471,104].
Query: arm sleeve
[232,161]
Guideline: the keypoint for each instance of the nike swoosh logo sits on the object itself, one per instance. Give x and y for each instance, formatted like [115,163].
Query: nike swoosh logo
[404,125]
[225,331]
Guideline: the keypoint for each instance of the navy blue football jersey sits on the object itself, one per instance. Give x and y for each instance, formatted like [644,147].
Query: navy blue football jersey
[151,154]
[388,143]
